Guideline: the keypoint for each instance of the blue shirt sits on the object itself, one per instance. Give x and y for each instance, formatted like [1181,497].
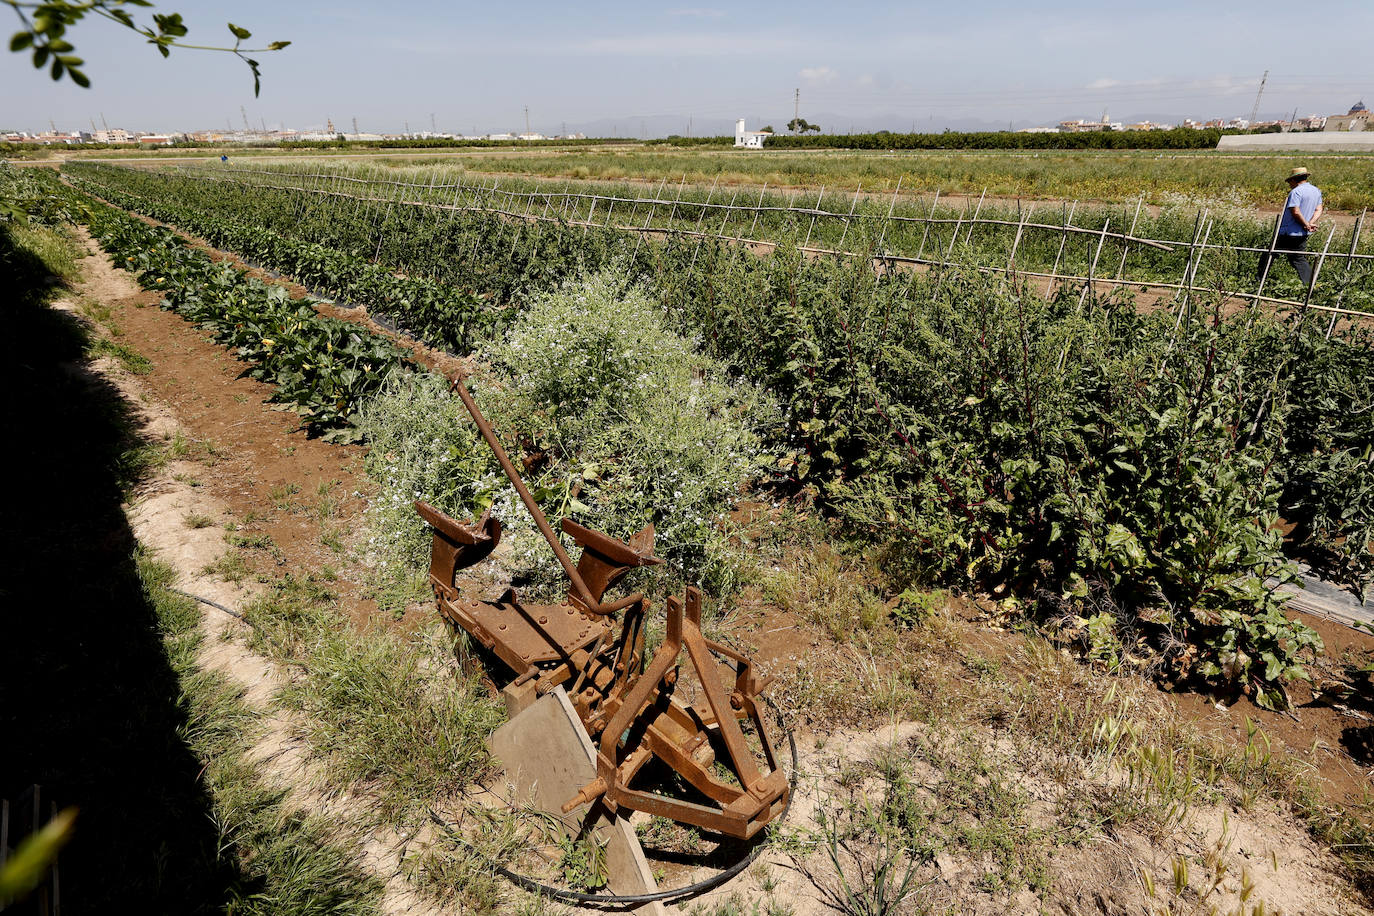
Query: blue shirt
[1307,198]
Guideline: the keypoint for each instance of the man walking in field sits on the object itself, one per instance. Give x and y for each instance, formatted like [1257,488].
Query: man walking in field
[1301,211]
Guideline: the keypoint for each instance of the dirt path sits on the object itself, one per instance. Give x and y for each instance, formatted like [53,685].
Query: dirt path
[180,512]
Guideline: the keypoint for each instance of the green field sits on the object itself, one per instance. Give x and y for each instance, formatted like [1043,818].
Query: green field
[1162,178]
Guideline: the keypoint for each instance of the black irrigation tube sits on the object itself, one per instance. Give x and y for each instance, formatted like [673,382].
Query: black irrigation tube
[214,604]
[690,890]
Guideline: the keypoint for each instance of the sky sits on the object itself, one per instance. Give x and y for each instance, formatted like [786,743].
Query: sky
[645,68]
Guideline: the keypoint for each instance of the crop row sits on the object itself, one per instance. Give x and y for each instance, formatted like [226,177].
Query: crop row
[445,316]
[322,367]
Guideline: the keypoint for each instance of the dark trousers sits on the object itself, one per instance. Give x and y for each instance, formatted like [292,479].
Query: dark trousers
[1297,246]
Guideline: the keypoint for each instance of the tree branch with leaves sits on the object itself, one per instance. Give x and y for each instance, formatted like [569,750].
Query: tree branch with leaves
[46,25]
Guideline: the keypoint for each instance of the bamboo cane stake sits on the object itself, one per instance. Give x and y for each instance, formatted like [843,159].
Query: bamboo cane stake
[1125,244]
[847,222]
[890,207]
[1321,259]
[755,224]
[1063,240]
[979,209]
[1190,277]
[926,228]
[1354,241]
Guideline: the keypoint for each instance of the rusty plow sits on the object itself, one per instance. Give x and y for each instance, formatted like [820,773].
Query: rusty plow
[717,742]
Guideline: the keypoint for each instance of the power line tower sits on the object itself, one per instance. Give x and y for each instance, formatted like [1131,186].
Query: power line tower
[432,128]
[796,104]
[355,127]
[243,111]
[527,121]
[1254,112]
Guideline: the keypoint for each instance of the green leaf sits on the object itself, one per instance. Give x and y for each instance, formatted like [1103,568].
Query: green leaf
[79,78]
[240,33]
[28,863]
[277,45]
[20,40]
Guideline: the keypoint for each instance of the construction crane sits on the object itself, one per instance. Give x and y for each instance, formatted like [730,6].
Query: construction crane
[1254,112]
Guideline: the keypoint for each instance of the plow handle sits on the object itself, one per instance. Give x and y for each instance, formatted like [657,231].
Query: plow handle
[488,434]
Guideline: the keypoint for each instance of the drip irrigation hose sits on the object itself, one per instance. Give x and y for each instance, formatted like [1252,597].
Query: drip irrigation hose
[214,604]
[690,890]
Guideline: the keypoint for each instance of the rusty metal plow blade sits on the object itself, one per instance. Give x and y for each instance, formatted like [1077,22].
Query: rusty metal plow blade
[720,746]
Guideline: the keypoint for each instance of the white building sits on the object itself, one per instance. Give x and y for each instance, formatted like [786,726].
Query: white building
[750,139]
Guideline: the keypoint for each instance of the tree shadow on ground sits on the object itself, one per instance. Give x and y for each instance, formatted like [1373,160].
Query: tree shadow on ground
[89,705]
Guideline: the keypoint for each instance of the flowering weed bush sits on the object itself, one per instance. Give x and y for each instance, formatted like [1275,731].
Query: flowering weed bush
[629,424]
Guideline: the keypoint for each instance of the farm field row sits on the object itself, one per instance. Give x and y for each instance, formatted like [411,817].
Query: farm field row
[1197,179]
[855,614]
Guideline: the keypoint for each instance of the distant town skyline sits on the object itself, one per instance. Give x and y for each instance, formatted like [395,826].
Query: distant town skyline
[605,68]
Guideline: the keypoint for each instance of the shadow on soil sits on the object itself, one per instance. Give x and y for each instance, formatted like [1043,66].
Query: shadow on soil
[89,706]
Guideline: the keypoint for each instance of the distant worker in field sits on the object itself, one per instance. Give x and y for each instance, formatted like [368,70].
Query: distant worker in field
[1301,211]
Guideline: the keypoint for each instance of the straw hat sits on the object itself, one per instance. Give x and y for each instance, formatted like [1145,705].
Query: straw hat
[1297,174]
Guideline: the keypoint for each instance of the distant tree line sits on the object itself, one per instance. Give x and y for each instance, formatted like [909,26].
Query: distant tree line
[341,142]
[1178,138]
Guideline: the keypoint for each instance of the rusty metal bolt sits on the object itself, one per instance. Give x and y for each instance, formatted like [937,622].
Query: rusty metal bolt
[736,701]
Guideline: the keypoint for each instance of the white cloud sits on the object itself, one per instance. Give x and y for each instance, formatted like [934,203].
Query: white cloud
[1103,83]
[817,76]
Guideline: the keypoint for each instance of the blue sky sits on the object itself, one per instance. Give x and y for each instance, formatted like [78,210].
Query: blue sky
[624,66]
